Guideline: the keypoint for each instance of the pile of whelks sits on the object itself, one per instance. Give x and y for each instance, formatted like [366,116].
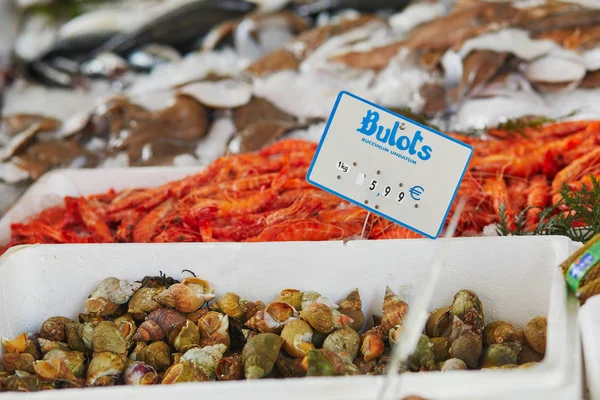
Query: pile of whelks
[162,331]
[259,76]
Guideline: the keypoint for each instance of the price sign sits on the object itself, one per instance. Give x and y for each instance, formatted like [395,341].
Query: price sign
[388,164]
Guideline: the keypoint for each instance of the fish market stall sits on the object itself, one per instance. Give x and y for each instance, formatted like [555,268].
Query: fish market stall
[154,154]
[141,94]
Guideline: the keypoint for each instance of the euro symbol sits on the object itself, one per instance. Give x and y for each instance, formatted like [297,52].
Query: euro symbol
[415,192]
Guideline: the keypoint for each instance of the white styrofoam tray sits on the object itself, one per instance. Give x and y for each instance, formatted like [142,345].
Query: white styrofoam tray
[517,278]
[53,186]
[589,324]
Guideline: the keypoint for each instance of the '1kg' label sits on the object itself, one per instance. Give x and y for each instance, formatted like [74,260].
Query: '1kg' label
[388,164]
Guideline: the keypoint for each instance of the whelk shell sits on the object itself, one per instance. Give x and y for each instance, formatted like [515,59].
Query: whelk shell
[138,373]
[352,307]
[142,302]
[127,329]
[111,293]
[15,383]
[535,334]
[136,353]
[158,324]
[104,369]
[259,355]
[344,343]
[310,297]
[196,315]
[468,308]
[297,337]
[423,359]
[498,332]
[185,371]
[323,318]
[214,329]
[441,348]
[324,362]
[49,345]
[318,364]
[273,318]
[53,370]
[206,358]
[394,310]
[528,355]
[12,362]
[230,368]
[107,337]
[394,334]
[236,307]
[453,364]
[439,323]
[187,296]
[54,329]
[290,367]
[188,337]
[157,355]
[467,347]
[231,304]
[498,355]
[372,344]
[74,360]
[17,345]
[292,297]
[79,336]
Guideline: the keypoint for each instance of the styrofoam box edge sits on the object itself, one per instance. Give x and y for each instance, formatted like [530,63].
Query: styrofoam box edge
[53,186]
[30,273]
[589,322]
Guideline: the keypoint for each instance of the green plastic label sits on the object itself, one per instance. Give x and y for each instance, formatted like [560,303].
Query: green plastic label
[582,265]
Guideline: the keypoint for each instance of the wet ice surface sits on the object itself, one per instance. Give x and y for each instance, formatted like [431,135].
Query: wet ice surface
[52,102]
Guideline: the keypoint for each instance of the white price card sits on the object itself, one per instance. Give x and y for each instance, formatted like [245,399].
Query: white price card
[388,164]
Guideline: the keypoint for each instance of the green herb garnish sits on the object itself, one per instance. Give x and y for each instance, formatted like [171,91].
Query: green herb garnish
[580,223]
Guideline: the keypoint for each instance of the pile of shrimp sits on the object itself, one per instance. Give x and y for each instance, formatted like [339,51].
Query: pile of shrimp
[254,197]
[526,170]
[264,196]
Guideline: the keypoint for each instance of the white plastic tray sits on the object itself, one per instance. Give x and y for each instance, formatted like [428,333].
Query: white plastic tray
[517,278]
[589,323]
[53,186]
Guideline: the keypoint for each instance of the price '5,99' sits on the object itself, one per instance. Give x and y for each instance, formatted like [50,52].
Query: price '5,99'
[387,191]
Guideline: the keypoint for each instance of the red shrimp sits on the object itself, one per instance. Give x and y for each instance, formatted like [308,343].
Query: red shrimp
[497,192]
[93,222]
[244,184]
[176,234]
[128,222]
[346,214]
[37,232]
[573,172]
[538,197]
[310,230]
[148,226]
[228,208]
[398,232]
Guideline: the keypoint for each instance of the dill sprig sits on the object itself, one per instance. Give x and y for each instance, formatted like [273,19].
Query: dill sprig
[519,125]
[576,216]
